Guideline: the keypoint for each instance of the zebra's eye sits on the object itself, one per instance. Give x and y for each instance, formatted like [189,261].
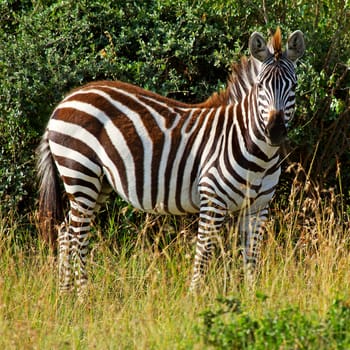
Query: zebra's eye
[260,86]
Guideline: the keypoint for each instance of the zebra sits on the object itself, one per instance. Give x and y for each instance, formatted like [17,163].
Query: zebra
[214,158]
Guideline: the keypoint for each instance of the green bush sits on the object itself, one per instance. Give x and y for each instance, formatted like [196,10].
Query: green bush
[182,49]
[229,326]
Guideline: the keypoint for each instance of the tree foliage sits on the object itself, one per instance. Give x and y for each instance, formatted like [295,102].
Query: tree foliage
[181,49]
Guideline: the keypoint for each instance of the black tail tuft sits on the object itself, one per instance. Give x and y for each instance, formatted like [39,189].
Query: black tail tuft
[50,201]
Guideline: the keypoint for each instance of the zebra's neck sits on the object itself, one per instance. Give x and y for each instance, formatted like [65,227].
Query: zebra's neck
[242,79]
[236,142]
[240,83]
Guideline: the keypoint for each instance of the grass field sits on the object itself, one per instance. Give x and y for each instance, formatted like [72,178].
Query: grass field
[138,290]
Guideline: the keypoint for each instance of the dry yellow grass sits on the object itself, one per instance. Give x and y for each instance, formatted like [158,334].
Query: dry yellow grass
[138,295]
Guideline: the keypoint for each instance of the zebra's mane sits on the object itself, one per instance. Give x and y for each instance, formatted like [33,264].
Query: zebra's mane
[244,73]
[240,82]
[242,78]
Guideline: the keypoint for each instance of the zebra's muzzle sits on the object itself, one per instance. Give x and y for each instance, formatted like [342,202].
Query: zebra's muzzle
[276,129]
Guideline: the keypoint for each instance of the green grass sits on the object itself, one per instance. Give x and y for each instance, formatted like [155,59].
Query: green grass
[138,288]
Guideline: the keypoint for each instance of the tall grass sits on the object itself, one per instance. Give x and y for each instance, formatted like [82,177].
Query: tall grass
[138,289]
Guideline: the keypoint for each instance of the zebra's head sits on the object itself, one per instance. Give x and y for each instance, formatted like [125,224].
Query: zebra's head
[276,82]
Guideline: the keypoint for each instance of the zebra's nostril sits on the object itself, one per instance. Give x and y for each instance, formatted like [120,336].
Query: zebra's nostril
[276,129]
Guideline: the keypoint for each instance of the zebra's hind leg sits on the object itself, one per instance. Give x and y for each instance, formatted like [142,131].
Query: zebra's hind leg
[74,239]
[66,281]
[252,231]
[73,249]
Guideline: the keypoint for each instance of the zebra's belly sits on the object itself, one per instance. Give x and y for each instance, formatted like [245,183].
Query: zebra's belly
[179,199]
[171,207]
[186,202]
[165,202]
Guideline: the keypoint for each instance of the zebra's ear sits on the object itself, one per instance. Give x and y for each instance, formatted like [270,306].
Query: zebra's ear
[258,47]
[295,45]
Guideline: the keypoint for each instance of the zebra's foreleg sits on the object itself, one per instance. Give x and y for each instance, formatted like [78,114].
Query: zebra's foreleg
[210,222]
[252,232]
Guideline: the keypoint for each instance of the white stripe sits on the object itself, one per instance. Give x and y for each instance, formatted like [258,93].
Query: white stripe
[83,200]
[80,229]
[77,188]
[80,219]
[212,142]
[62,151]
[175,168]
[75,174]
[84,211]
[193,192]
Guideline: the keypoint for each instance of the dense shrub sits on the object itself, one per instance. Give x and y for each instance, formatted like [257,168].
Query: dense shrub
[182,49]
[229,326]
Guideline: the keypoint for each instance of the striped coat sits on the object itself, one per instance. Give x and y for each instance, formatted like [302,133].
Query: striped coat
[164,156]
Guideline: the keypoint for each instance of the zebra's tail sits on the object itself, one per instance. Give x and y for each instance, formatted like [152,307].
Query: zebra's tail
[50,202]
